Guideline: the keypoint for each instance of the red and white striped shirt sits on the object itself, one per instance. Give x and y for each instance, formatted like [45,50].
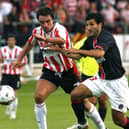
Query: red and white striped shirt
[53,60]
[9,55]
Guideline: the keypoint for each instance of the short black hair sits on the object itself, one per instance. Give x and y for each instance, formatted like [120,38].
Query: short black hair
[11,35]
[45,11]
[96,16]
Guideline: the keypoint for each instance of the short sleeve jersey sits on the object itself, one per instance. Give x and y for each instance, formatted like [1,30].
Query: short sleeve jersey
[53,60]
[110,66]
[8,56]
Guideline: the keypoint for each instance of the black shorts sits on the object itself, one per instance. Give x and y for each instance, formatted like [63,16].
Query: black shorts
[11,80]
[67,80]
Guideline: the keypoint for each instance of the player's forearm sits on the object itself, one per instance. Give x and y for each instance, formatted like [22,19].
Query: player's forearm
[22,64]
[25,51]
[97,53]
[70,55]
[1,57]
[56,40]
[74,56]
[1,60]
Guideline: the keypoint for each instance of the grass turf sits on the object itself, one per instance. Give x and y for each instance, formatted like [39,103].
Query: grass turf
[60,114]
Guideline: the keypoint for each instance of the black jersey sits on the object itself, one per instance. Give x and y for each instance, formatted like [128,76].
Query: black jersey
[110,66]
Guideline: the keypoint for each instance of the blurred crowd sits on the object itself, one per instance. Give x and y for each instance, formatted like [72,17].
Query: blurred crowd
[19,16]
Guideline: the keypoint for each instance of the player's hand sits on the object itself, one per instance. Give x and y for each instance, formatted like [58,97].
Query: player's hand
[39,37]
[72,50]
[4,66]
[52,48]
[15,64]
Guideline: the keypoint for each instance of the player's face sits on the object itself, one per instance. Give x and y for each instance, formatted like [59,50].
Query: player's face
[11,42]
[92,28]
[46,23]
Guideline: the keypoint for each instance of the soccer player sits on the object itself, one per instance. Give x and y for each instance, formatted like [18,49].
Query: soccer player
[8,54]
[58,70]
[88,67]
[110,79]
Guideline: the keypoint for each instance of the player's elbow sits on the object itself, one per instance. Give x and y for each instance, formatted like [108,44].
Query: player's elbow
[100,54]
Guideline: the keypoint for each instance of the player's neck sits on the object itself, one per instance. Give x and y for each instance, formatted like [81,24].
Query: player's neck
[51,29]
[11,47]
[97,35]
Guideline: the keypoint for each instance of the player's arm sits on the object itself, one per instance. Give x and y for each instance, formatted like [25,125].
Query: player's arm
[54,40]
[1,60]
[64,52]
[28,46]
[97,53]
[21,63]
[24,62]
[3,66]
[1,57]
[74,56]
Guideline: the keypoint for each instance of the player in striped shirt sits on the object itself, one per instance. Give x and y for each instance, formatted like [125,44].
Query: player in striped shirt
[9,54]
[58,70]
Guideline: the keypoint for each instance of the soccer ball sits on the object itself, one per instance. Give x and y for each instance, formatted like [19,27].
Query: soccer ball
[7,94]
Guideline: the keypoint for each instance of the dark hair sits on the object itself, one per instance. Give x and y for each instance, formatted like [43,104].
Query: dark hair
[11,35]
[44,11]
[96,16]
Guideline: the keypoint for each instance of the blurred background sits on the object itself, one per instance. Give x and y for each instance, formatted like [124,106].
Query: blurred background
[19,17]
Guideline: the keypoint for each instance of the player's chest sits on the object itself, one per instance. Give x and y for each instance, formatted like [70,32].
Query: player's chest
[10,54]
[44,43]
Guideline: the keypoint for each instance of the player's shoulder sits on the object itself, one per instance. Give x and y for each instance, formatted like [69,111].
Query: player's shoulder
[59,26]
[37,29]
[4,47]
[106,33]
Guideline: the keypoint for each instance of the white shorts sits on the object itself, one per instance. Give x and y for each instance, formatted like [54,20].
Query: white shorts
[117,91]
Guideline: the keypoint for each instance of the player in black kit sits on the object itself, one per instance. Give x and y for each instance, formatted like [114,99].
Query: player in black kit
[110,79]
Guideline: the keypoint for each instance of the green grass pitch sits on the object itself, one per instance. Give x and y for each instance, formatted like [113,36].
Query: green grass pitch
[60,114]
